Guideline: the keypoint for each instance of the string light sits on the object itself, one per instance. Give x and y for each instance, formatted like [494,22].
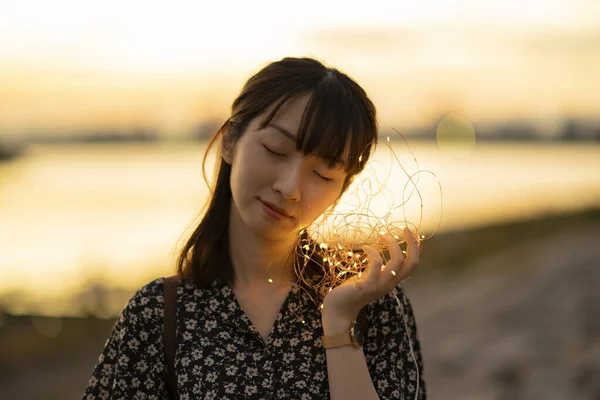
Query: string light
[329,248]
[315,270]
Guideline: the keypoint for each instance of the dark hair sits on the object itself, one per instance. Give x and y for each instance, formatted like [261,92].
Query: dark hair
[338,113]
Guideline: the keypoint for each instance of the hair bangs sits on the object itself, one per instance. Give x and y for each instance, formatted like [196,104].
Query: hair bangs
[332,128]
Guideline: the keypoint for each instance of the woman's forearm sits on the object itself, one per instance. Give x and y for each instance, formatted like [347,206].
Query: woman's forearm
[349,377]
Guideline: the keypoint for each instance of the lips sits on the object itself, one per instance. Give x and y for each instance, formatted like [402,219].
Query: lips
[274,207]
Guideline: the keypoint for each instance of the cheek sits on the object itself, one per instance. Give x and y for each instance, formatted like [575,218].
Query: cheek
[249,171]
[316,201]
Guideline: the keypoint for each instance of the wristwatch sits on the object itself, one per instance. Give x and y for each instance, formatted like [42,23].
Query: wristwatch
[353,337]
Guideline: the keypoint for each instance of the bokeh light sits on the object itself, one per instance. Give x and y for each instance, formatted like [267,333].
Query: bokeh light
[456,134]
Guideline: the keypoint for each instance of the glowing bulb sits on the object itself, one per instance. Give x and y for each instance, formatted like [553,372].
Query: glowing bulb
[388,138]
[359,158]
[393,272]
[306,247]
[321,306]
[324,259]
[360,274]
[330,289]
[303,322]
[270,280]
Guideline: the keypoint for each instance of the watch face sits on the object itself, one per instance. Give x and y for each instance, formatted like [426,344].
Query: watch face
[358,336]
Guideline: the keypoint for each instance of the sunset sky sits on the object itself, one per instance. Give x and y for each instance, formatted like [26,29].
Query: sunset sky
[67,65]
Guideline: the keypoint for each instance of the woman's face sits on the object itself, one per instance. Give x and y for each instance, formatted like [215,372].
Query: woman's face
[276,189]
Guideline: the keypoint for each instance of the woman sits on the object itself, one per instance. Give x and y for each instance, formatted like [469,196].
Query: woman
[247,324]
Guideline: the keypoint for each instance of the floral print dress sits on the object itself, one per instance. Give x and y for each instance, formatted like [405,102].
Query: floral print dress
[220,355]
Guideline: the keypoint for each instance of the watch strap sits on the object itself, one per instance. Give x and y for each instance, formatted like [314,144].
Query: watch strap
[330,342]
[344,339]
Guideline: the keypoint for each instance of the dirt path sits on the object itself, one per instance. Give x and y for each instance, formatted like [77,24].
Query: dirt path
[59,379]
[523,324]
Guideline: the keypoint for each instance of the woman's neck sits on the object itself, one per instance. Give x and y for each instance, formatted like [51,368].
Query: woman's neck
[258,261]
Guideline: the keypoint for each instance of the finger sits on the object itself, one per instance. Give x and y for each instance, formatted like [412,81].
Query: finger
[374,266]
[412,250]
[394,266]
[393,246]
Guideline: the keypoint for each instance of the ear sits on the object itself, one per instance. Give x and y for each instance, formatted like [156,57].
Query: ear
[228,144]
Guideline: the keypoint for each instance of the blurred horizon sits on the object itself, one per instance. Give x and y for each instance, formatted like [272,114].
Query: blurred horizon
[69,67]
[81,218]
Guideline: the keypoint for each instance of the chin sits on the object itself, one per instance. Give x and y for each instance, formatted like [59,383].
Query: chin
[264,226]
[270,230]
[273,233]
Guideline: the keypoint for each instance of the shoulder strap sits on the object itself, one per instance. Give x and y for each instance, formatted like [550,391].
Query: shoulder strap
[170,331]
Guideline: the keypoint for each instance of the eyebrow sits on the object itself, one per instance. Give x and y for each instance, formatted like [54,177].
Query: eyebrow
[283,131]
[288,134]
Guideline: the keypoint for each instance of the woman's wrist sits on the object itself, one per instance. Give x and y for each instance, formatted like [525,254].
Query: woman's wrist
[335,323]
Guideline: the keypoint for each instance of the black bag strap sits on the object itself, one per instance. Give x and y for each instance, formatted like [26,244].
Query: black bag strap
[170,332]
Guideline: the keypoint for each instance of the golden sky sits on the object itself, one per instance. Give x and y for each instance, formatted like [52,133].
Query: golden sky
[66,64]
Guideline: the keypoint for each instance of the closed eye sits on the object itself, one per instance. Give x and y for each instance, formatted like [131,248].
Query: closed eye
[280,155]
[323,177]
[274,153]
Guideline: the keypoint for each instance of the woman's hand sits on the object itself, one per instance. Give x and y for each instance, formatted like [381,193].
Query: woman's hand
[342,305]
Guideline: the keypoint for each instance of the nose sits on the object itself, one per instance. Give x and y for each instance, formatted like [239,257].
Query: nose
[288,182]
